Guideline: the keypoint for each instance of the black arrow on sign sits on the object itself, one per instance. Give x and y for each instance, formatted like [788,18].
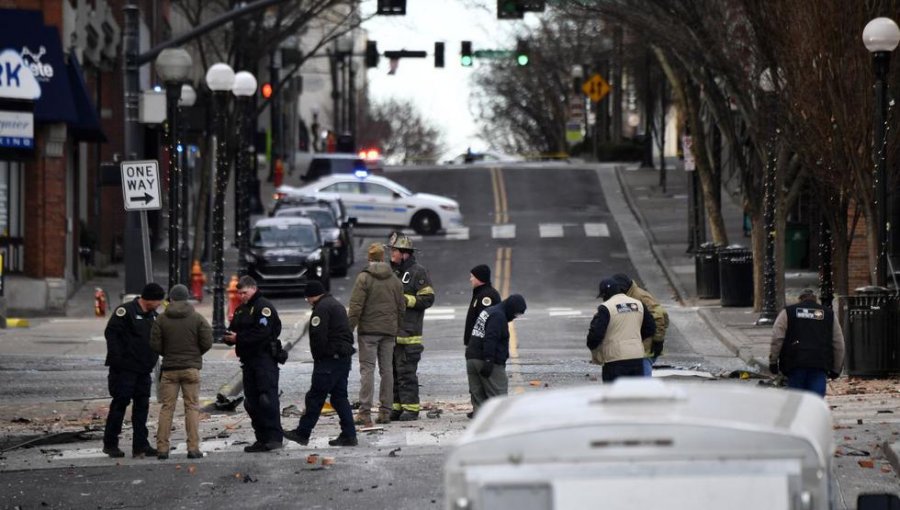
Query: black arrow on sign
[146,198]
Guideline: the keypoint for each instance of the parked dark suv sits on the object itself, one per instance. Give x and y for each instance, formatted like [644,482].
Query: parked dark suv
[336,233]
[286,253]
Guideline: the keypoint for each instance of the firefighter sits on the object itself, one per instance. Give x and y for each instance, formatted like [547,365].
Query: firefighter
[617,332]
[419,296]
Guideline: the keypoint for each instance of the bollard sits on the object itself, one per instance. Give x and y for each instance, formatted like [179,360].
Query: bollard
[198,279]
[233,300]
[99,302]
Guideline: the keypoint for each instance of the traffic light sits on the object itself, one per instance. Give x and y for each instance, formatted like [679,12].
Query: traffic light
[465,54]
[522,52]
[372,54]
[266,90]
[438,54]
[510,9]
[392,7]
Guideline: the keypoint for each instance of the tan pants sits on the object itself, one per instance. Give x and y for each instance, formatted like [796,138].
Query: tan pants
[189,381]
[374,348]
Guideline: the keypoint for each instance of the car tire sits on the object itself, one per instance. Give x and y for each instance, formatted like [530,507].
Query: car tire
[426,222]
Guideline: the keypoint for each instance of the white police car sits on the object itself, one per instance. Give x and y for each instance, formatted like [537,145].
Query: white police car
[375,200]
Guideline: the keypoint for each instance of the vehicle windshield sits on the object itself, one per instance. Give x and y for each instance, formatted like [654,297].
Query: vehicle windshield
[282,236]
[324,218]
[403,191]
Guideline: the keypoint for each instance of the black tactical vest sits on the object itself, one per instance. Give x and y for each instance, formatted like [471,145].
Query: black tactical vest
[807,342]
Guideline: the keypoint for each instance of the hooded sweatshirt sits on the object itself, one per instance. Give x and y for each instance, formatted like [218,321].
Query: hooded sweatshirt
[490,335]
[377,304]
[181,336]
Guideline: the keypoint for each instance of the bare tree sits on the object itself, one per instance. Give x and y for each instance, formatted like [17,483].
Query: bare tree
[404,135]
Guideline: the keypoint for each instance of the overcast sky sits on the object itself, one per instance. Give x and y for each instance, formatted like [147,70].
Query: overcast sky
[442,95]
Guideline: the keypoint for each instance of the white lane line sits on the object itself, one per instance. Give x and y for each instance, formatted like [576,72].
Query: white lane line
[551,229]
[564,313]
[596,230]
[440,310]
[457,233]
[440,317]
[505,231]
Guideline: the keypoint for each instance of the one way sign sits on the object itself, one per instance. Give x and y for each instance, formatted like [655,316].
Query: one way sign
[140,185]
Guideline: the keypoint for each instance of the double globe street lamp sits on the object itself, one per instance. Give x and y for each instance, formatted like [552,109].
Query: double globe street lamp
[187,100]
[243,89]
[173,65]
[220,80]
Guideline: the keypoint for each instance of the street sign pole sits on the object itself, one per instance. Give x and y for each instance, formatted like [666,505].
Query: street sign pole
[145,247]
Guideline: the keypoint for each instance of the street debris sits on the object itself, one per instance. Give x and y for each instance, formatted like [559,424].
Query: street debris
[246,478]
[20,419]
[374,428]
[291,411]
[55,438]
[224,403]
[393,453]
[434,413]
[866,463]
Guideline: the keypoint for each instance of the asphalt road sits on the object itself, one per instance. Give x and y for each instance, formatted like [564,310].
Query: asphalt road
[548,233]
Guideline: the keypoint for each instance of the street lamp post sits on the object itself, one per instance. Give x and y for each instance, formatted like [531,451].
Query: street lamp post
[188,98]
[220,79]
[881,37]
[173,65]
[770,300]
[244,87]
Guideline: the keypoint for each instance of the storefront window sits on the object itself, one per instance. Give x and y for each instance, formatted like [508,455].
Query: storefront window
[11,242]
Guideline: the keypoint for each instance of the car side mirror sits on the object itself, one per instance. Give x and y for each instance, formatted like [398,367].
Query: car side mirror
[351,221]
[397,196]
[877,502]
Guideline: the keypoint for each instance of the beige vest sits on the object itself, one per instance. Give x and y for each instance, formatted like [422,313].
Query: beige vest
[623,335]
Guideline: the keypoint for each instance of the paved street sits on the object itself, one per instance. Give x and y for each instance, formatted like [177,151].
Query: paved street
[549,232]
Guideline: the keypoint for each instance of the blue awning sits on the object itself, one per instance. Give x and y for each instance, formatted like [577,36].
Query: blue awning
[64,96]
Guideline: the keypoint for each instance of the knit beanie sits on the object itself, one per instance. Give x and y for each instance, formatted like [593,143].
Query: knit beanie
[178,293]
[482,272]
[153,292]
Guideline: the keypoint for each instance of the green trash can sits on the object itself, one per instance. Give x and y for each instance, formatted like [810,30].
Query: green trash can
[796,246]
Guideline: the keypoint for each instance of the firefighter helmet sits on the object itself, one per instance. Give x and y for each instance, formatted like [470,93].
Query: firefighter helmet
[400,242]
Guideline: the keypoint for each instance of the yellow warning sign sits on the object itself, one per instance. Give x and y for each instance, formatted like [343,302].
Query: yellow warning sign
[595,88]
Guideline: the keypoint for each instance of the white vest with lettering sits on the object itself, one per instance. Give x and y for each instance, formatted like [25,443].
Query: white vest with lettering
[623,335]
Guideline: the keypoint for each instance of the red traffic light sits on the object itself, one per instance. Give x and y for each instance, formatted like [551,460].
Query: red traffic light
[266,90]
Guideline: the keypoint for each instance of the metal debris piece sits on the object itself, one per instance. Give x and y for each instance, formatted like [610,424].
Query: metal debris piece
[434,413]
[393,453]
[291,410]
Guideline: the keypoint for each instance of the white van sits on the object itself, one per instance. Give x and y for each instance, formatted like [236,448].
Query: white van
[644,444]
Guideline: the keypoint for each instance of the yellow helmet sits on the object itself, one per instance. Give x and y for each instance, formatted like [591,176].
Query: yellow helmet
[400,242]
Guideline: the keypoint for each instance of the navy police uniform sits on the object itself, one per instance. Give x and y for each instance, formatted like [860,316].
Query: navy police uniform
[130,361]
[257,326]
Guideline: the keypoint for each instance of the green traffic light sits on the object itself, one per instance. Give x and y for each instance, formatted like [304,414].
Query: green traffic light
[466,60]
[522,60]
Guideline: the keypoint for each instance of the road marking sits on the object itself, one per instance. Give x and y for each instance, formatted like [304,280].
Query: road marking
[504,231]
[501,214]
[457,233]
[550,229]
[564,313]
[596,230]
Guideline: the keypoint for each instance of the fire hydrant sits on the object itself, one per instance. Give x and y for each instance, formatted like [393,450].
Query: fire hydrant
[233,300]
[198,279]
[278,176]
[99,302]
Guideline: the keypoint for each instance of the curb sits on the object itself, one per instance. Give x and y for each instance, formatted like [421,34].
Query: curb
[680,292]
[892,452]
[730,340]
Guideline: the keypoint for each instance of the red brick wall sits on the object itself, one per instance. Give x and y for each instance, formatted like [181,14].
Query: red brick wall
[45,213]
[858,260]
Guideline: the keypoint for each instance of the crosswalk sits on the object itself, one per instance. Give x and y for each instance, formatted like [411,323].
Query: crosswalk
[511,231]
[449,313]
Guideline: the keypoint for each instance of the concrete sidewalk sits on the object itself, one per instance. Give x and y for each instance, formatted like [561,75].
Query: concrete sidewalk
[865,408]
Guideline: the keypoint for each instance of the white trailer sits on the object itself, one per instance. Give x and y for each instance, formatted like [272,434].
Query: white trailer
[644,444]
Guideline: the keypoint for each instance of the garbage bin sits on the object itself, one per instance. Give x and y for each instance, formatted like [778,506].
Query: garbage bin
[736,276]
[796,246]
[706,271]
[872,333]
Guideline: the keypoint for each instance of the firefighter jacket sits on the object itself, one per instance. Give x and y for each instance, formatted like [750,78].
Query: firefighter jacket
[806,335]
[483,296]
[419,295]
[257,325]
[659,314]
[490,335]
[329,330]
[618,329]
[128,338]
[377,303]
[181,336]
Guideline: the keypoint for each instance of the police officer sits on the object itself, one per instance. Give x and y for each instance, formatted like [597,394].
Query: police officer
[488,350]
[130,361]
[331,343]
[253,331]
[617,331]
[484,295]
[419,296]
[807,343]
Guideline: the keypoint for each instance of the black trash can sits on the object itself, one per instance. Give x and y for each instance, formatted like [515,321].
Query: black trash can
[736,276]
[872,332]
[706,271]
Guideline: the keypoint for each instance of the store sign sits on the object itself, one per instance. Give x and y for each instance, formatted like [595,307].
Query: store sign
[17,130]
[16,78]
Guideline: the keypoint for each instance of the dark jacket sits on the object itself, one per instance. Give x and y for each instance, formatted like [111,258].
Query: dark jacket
[419,296]
[483,296]
[329,330]
[257,324]
[377,304]
[181,336]
[807,335]
[490,335]
[128,339]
